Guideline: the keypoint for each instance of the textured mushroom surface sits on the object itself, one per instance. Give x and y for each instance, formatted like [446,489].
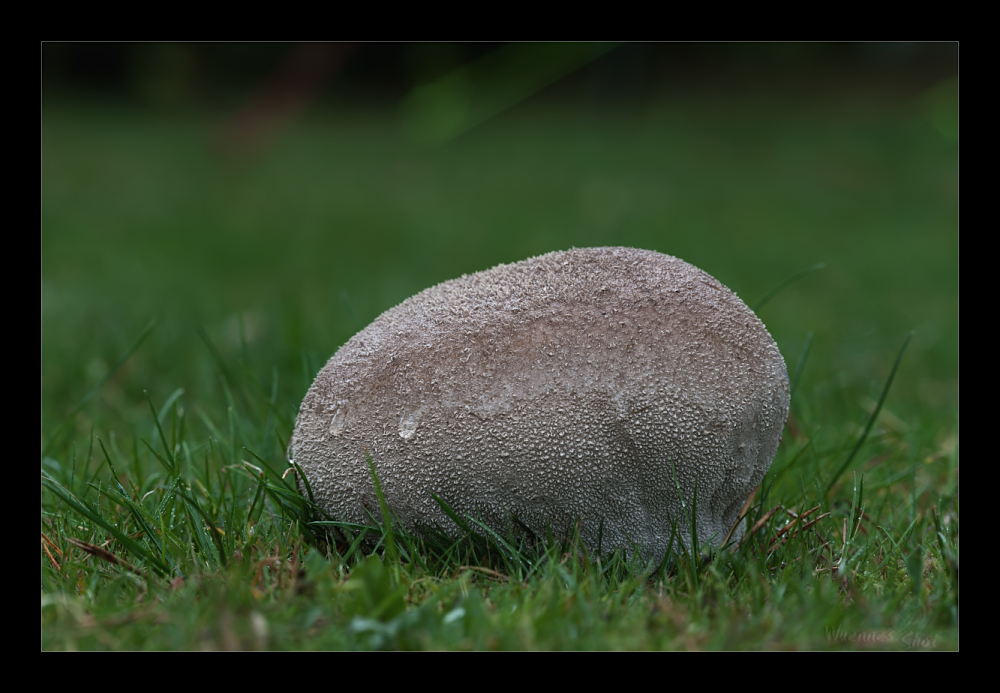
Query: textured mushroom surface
[596,384]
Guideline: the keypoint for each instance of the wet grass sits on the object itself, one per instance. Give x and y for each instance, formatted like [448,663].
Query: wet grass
[180,543]
[189,299]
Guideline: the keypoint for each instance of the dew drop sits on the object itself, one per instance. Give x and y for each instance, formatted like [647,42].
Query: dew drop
[408,426]
[337,422]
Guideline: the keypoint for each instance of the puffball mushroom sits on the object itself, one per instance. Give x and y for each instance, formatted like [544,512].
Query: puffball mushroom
[596,385]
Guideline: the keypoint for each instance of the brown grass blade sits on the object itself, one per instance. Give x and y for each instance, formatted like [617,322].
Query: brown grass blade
[103,554]
[51,543]
[743,513]
[761,522]
[492,573]
[49,554]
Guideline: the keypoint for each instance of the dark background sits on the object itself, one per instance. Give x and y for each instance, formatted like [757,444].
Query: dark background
[219,74]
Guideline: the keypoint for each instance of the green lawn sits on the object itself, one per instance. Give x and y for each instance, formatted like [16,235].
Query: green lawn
[255,268]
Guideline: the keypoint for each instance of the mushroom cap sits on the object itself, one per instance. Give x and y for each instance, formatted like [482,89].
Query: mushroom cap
[596,385]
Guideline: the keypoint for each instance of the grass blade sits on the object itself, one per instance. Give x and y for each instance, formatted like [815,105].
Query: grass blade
[785,284]
[390,539]
[166,446]
[104,524]
[803,355]
[454,516]
[215,532]
[97,388]
[174,396]
[226,374]
[871,419]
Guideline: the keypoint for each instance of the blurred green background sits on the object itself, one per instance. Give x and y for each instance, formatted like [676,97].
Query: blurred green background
[291,193]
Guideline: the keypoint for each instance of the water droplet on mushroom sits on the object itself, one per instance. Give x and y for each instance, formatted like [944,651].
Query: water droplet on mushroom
[337,422]
[408,426]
